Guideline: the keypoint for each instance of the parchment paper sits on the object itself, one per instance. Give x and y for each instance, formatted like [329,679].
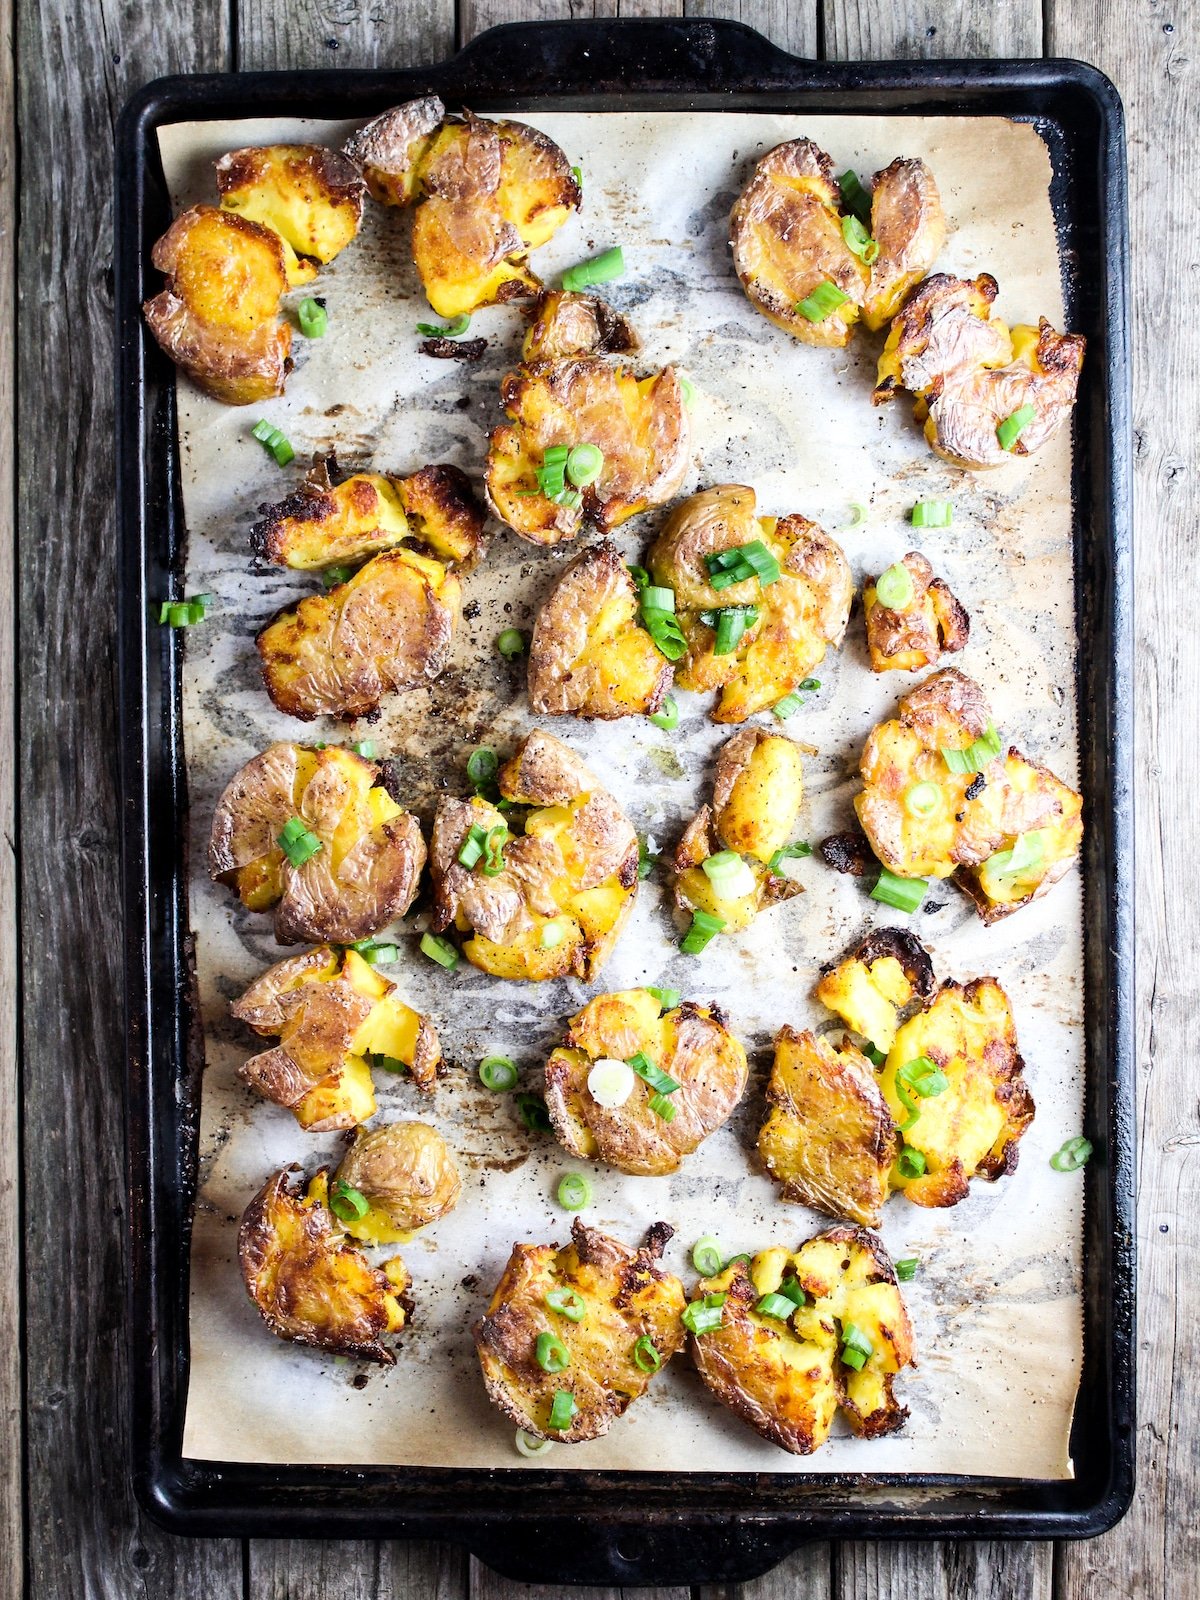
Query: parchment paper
[996,1301]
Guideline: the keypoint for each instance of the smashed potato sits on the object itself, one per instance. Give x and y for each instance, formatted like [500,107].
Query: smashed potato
[787,1376]
[371,853]
[311,197]
[389,627]
[589,655]
[888,970]
[309,1283]
[218,316]
[788,621]
[930,624]
[789,238]
[690,1043]
[757,791]
[1040,814]
[486,194]
[970,374]
[406,1174]
[630,1328]
[326,524]
[333,1014]
[563,324]
[559,893]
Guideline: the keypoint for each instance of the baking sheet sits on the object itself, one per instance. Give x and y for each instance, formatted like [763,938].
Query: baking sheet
[996,1304]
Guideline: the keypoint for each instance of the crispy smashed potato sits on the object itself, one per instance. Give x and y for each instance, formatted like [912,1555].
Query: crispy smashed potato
[333,1013]
[829,1139]
[691,1044]
[486,194]
[1048,815]
[389,627]
[310,1284]
[372,851]
[326,524]
[788,238]
[562,325]
[218,316]
[565,886]
[787,1377]
[886,971]
[757,791]
[311,197]
[630,1303]
[970,373]
[931,624]
[799,614]
[406,1173]
[589,655]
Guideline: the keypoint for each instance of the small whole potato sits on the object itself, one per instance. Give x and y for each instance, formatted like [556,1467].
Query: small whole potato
[406,1173]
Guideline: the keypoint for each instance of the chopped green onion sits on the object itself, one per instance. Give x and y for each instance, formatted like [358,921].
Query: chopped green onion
[493,851]
[448,330]
[657,605]
[855,198]
[977,755]
[556,455]
[332,576]
[346,1203]
[183,613]
[689,390]
[562,1412]
[810,685]
[789,852]
[822,302]
[911,1163]
[743,561]
[923,799]
[471,849]
[439,950]
[552,1354]
[511,644]
[926,1079]
[528,1445]
[313,318]
[703,1315]
[274,440]
[906,1268]
[603,268]
[729,875]
[874,1056]
[577,174]
[662,1107]
[858,515]
[859,241]
[553,933]
[932,514]
[667,999]
[1072,1155]
[531,1109]
[376,953]
[905,894]
[649,1073]
[855,1359]
[386,1063]
[574,1191]
[775,1305]
[1026,852]
[567,1303]
[297,843]
[788,706]
[646,858]
[894,587]
[1011,429]
[640,577]
[364,748]
[657,598]
[733,1259]
[700,935]
[730,623]
[856,1349]
[706,1256]
[792,1291]
[645,1355]
[482,766]
[667,717]
[585,464]
[498,1074]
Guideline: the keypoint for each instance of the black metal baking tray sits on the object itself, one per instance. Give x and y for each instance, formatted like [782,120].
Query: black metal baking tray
[612,1528]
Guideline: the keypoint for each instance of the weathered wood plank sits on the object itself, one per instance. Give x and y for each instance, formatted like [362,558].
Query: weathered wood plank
[476,15]
[277,34]
[883,30]
[299,1569]
[927,1571]
[1150,52]
[488,1585]
[807,1575]
[79,58]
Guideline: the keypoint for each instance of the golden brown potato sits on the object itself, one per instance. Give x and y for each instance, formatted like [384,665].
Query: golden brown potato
[311,197]
[630,1305]
[1042,812]
[757,791]
[487,193]
[562,325]
[969,373]
[798,615]
[324,524]
[788,239]
[590,656]
[917,634]
[787,1377]
[406,1174]
[365,873]
[218,316]
[334,1015]
[388,627]
[566,884]
[690,1043]
[884,972]
[971,1127]
[309,1283]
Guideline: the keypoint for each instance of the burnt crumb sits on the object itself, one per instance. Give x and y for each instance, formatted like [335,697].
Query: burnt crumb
[976,786]
[359,1380]
[471,610]
[470,1282]
[454,349]
[849,853]
[658,1237]
[934,905]
[390,779]
[959,815]
[463,403]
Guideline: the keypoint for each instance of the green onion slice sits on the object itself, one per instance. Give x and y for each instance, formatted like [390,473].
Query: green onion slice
[574,1191]
[347,1203]
[386,1063]
[856,1349]
[567,1303]
[528,1445]
[1026,853]
[646,858]
[667,717]
[377,952]
[706,1256]
[792,1291]
[639,575]
[730,623]
[923,799]
[531,1109]
[657,606]
[662,1107]
[925,1079]
[511,643]
[859,241]
[1072,1155]
[585,464]
[743,561]
[906,1268]
[810,685]
[183,613]
[658,1080]
[498,1074]
[332,576]
[788,706]
[297,843]
[855,198]
[703,1315]
[905,894]
[562,1412]
[911,1163]
[977,755]
[689,390]
[313,318]
[1011,429]
[493,851]
[667,999]
[274,440]
[789,852]
[471,849]
[894,587]
[858,515]
[609,264]
[775,1305]
[822,302]
[553,933]
[932,514]
[552,1354]
[577,174]
[748,1259]
[645,1355]
[446,330]
[874,1056]
[482,766]
[364,748]
[701,933]
[439,950]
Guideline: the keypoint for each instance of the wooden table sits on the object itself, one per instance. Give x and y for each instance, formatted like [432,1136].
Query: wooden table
[63,1479]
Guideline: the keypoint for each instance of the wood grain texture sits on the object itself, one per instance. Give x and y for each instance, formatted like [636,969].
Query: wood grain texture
[883,30]
[86,1540]
[925,1571]
[300,1569]
[488,1585]
[807,1575]
[476,15]
[277,34]
[1150,49]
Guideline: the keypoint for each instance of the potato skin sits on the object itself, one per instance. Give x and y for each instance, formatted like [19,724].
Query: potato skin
[629,1295]
[887,970]
[932,624]
[367,871]
[310,1285]
[406,1172]
[1034,801]
[562,325]
[909,226]
[691,1043]
[786,1379]
[218,316]
[312,198]
[800,614]
[389,149]
[589,657]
